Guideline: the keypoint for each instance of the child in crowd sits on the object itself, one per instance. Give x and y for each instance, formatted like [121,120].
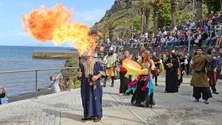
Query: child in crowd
[55,83]
[3,99]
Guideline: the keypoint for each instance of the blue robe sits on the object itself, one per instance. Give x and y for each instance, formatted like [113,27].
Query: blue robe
[92,98]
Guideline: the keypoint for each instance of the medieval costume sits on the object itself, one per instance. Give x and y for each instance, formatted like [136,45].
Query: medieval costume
[143,89]
[124,81]
[110,61]
[181,70]
[212,71]
[157,65]
[91,92]
[171,66]
[199,79]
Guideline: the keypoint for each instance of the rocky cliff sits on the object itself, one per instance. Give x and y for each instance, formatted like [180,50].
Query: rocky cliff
[126,17]
[122,12]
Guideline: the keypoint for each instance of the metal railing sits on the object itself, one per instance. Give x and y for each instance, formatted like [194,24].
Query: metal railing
[36,74]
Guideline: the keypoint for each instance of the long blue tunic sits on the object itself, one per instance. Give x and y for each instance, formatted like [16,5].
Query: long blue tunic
[91,98]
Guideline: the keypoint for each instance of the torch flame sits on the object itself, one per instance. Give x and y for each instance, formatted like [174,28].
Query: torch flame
[55,25]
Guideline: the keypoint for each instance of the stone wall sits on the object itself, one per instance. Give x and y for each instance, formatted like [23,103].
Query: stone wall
[54,55]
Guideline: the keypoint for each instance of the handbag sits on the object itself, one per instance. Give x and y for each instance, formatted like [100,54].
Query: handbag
[155,72]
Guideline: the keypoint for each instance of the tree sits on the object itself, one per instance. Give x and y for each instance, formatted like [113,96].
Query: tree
[137,5]
[110,25]
[156,4]
[199,9]
[213,5]
[144,7]
[164,15]
[173,12]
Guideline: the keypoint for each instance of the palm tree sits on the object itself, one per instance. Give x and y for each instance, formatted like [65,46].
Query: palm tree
[137,5]
[110,25]
[199,9]
[173,12]
[156,4]
[144,7]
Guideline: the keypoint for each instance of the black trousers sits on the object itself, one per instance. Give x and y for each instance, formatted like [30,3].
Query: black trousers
[205,91]
[155,79]
[112,77]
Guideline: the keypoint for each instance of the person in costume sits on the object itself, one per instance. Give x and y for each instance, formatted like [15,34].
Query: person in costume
[156,61]
[171,65]
[143,86]
[199,78]
[213,60]
[181,67]
[124,81]
[110,62]
[91,90]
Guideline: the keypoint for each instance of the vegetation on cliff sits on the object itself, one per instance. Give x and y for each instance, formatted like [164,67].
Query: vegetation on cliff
[149,15]
[70,75]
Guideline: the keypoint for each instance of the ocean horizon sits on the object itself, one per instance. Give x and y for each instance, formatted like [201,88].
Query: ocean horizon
[20,58]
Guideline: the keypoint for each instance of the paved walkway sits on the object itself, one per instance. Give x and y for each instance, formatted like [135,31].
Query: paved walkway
[65,109]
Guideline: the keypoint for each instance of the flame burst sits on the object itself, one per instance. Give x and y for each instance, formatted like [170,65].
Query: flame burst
[55,25]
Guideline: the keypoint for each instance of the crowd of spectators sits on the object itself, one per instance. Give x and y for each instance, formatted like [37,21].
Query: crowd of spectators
[202,33]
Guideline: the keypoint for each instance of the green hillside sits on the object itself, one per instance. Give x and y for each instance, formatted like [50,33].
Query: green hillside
[123,15]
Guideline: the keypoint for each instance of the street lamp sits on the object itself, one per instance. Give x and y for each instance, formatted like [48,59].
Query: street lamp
[132,25]
[193,11]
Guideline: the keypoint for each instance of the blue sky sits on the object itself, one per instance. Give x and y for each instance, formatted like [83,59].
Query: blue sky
[11,33]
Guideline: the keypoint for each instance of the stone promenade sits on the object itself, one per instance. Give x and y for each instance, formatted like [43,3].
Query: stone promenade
[65,109]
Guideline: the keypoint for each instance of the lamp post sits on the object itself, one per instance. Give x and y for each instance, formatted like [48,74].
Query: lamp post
[124,30]
[193,11]
[132,25]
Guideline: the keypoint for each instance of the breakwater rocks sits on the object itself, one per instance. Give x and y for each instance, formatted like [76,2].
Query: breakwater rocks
[54,55]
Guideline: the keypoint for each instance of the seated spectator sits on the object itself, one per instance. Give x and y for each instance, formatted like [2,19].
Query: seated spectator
[212,39]
[55,83]
[219,37]
[168,42]
[3,99]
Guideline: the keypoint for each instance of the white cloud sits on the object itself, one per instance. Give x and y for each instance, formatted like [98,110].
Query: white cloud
[20,34]
[89,17]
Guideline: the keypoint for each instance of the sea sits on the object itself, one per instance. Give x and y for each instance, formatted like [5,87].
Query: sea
[20,58]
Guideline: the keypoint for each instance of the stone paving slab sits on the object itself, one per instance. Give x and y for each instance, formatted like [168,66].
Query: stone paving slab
[170,109]
[115,117]
[14,123]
